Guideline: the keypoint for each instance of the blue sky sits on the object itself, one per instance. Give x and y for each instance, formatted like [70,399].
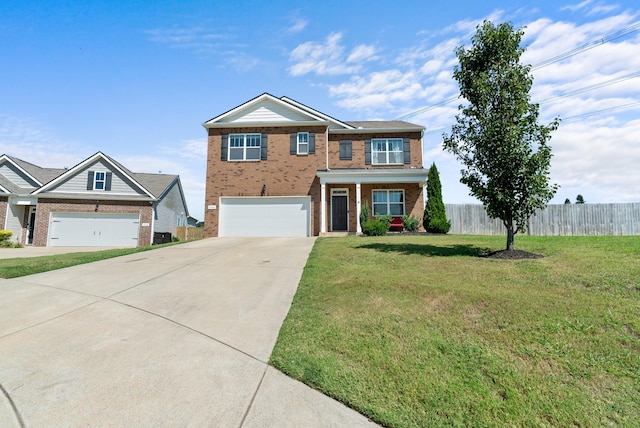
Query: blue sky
[136,79]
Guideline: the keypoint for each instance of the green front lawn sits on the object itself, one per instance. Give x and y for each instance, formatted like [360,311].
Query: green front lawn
[417,331]
[13,268]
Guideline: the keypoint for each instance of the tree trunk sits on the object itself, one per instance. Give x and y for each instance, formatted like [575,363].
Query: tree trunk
[510,236]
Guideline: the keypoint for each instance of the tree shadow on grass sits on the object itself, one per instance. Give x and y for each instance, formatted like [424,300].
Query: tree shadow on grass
[428,250]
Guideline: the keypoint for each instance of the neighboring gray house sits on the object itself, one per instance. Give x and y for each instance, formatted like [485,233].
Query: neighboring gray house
[98,202]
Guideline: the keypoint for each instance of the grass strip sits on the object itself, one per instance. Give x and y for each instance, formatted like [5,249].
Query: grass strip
[16,267]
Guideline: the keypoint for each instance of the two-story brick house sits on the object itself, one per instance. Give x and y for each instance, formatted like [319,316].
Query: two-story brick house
[276,167]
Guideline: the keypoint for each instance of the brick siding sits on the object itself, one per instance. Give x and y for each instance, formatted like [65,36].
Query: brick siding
[3,211]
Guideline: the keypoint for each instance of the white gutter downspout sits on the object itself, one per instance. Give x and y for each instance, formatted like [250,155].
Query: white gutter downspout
[326,146]
[153,221]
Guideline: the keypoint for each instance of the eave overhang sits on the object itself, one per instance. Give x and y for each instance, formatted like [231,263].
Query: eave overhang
[375,130]
[264,124]
[373,175]
[97,197]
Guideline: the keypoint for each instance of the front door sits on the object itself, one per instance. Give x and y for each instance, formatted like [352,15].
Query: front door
[339,210]
[31,225]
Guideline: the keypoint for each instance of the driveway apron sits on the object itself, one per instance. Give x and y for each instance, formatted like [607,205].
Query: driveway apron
[177,336]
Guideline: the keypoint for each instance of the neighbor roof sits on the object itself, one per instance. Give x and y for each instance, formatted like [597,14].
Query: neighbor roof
[153,184]
[43,175]
[384,124]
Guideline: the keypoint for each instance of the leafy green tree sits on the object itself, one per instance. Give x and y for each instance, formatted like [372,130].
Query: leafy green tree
[579,199]
[435,218]
[567,201]
[497,137]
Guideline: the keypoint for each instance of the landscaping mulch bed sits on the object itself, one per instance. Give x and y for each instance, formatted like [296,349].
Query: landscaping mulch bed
[512,255]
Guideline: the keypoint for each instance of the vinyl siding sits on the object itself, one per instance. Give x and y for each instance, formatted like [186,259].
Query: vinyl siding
[16,177]
[15,214]
[120,185]
[169,210]
[267,112]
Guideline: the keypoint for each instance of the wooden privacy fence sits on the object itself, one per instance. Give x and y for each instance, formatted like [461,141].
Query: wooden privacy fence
[188,233]
[559,220]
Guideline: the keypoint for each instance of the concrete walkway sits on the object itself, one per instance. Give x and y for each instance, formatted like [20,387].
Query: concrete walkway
[178,336]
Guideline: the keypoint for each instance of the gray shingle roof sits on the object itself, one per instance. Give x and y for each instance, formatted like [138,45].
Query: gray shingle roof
[43,175]
[12,188]
[157,184]
[384,124]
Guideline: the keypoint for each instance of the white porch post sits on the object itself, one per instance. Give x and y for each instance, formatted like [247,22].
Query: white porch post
[358,207]
[323,207]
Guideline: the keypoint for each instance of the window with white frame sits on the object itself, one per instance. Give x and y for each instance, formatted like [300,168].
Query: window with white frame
[98,180]
[386,151]
[388,202]
[244,147]
[303,143]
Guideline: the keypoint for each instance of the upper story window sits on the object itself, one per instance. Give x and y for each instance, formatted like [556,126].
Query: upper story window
[99,180]
[386,151]
[303,143]
[244,147]
[388,202]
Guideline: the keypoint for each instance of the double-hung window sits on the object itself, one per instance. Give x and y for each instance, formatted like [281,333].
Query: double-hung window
[303,143]
[98,180]
[244,147]
[388,202]
[385,151]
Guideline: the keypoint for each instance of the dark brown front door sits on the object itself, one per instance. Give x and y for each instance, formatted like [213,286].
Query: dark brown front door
[339,204]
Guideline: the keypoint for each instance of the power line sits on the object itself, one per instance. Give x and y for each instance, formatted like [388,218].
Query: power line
[564,119]
[588,46]
[592,87]
[606,110]
[609,37]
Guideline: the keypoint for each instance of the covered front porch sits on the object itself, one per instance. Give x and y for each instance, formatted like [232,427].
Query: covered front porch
[395,191]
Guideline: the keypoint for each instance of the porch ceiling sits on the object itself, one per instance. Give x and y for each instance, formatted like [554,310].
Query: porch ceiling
[405,175]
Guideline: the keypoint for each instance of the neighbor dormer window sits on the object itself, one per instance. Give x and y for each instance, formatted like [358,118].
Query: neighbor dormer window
[99,181]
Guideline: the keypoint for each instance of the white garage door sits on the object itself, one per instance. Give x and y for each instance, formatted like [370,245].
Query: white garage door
[93,230]
[267,216]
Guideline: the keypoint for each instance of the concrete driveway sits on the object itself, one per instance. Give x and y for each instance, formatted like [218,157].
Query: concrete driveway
[178,336]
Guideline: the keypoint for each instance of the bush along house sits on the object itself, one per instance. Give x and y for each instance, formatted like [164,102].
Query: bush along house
[276,167]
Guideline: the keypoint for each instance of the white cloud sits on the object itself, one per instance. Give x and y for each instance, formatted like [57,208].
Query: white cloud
[31,141]
[206,44]
[328,57]
[297,25]
[598,158]
[598,8]
[191,150]
[185,37]
[362,53]
[578,6]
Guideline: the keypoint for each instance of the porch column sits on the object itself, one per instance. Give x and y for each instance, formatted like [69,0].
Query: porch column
[323,207]
[358,207]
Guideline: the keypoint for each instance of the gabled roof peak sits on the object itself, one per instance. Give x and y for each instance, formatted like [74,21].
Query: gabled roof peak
[267,110]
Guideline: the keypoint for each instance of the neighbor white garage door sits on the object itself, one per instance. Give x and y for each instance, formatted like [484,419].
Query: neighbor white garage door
[93,230]
[267,216]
